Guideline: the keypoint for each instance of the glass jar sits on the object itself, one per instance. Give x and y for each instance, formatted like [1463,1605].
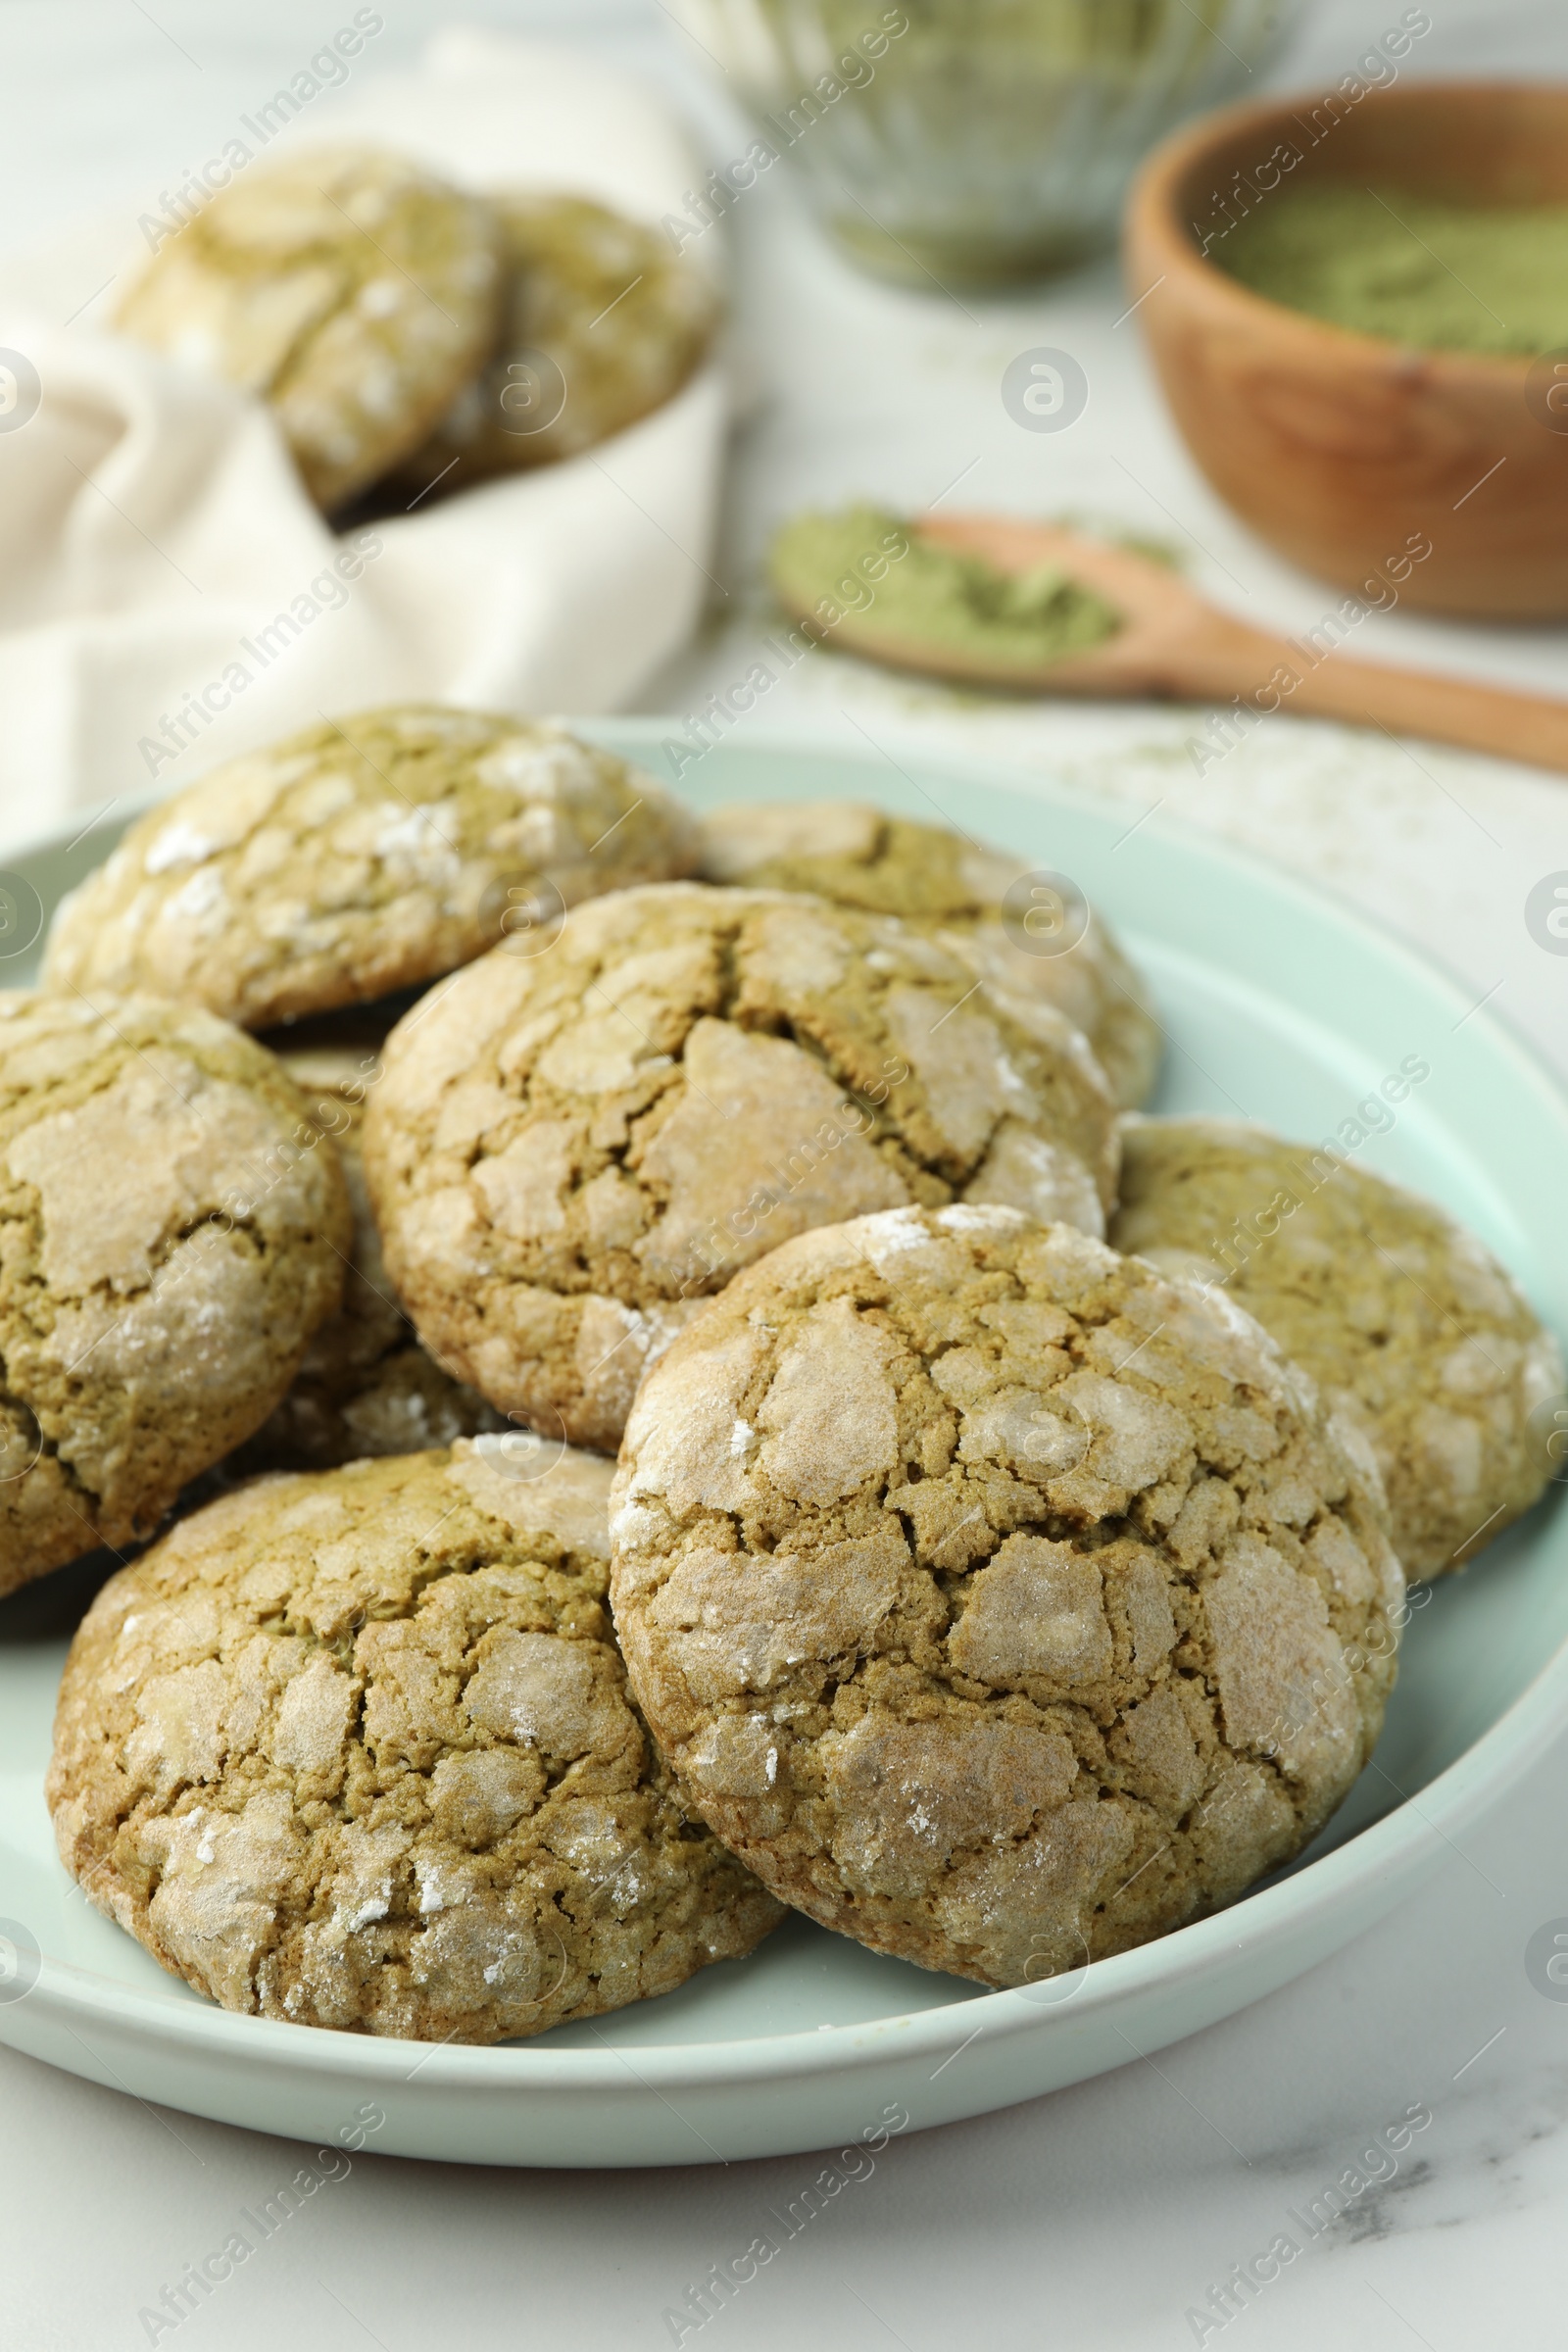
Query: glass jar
[979,141]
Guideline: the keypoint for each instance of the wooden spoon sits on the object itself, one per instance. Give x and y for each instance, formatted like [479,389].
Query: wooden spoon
[1172,642]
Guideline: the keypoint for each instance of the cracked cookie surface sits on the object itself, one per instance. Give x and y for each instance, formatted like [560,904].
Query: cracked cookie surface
[1407,1322]
[360,858]
[353,291]
[602,323]
[172,1233]
[999,1602]
[953,889]
[364,1385]
[567,1152]
[356,1750]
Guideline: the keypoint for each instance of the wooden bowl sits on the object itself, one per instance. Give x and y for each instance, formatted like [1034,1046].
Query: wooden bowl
[1342,450]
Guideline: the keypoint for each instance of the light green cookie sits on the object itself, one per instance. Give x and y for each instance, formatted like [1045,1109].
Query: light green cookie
[1407,1324]
[353,291]
[1000,1604]
[173,1231]
[356,1750]
[602,323]
[363,856]
[956,891]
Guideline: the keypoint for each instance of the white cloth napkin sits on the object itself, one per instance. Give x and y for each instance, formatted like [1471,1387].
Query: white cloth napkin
[169,597]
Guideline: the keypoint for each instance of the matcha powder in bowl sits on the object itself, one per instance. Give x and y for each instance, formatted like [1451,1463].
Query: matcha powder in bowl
[865,573]
[1412,269]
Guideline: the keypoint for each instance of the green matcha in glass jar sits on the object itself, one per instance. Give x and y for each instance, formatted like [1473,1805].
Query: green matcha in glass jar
[979,141]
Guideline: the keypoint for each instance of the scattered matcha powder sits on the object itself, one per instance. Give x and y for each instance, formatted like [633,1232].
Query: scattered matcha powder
[869,569]
[1441,277]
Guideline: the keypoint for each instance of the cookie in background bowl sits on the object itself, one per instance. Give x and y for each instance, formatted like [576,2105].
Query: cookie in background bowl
[1032,930]
[353,291]
[999,1602]
[355,1749]
[174,1229]
[362,857]
[364,1386]
[602,323]
[569,1151]
[1410,1326]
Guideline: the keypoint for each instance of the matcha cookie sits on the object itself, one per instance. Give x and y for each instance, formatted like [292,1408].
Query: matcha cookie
[1001,1604]
[975,901]
[355,1749]
[365,1385]
[601,323]
[353,291]
[567,1154]
[1410,1327]
[363,856]
[172,1230]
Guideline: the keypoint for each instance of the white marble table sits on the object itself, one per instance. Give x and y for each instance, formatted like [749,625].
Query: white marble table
[1106,2213]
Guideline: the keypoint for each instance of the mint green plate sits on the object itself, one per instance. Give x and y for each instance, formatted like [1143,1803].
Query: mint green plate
[1281,1005]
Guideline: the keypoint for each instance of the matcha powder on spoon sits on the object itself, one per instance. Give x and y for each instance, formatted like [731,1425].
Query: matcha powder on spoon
[868,567]
[1435,276]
